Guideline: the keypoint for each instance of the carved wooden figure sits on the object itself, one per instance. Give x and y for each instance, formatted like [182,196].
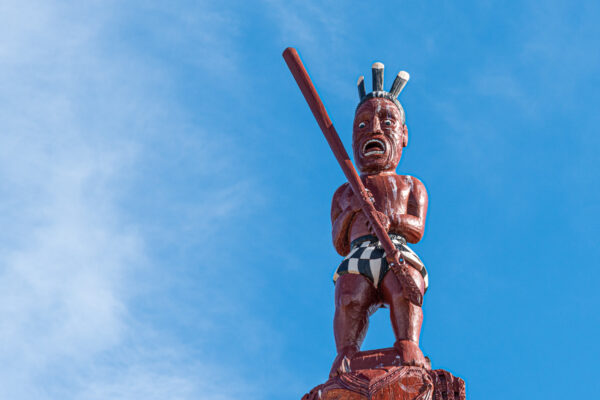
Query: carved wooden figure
[374,217]
[363,280]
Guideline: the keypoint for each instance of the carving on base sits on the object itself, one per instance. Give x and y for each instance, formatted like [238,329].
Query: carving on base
[377,375]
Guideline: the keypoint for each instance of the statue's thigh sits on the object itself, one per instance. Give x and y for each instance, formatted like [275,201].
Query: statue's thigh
[391,289]
[356,291]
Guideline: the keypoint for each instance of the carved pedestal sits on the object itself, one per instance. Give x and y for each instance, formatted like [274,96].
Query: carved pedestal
[376,375]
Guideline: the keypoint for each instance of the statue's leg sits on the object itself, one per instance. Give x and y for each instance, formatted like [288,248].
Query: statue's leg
[406,320]
[355,297]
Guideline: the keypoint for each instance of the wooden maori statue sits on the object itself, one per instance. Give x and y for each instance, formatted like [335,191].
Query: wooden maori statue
[374,217]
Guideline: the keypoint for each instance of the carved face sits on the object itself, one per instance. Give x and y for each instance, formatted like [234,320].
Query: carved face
[378,136]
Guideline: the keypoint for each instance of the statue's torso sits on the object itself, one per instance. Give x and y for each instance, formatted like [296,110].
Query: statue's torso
[391,193]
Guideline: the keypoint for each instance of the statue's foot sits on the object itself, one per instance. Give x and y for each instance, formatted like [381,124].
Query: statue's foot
[341,364]
[411,354]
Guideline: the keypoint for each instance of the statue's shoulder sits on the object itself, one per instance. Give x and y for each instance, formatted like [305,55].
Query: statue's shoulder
[411,182]
[339,195]
[340,190]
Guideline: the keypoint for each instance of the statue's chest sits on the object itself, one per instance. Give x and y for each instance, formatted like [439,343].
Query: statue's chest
[390,192]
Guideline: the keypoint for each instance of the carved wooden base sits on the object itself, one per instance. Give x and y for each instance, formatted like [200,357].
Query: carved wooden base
[376,375]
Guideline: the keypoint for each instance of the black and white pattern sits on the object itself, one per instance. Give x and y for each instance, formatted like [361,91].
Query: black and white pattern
[367,258]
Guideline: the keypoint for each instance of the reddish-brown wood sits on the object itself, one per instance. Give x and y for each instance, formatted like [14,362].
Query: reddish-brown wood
[373,217]
[400,202]
[378,375]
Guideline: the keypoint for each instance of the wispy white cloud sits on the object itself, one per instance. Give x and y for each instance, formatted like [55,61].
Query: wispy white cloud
[319,31]
[163,375]
[64,250]
[76,112]
[307,23]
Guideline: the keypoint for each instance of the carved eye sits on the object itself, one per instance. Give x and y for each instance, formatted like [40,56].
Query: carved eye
[388,122]
[362,125]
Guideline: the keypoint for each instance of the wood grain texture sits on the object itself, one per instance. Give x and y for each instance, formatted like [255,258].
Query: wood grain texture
[376,375]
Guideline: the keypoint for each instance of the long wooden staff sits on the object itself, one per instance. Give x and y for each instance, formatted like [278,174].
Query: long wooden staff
[410,289]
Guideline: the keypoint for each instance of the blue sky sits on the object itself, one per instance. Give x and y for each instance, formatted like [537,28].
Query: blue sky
[165,193]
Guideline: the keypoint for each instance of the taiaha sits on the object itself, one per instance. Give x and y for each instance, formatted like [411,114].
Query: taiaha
[411,290]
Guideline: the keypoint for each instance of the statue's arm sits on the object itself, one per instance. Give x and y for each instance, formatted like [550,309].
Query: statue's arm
[342,215]
[412,224]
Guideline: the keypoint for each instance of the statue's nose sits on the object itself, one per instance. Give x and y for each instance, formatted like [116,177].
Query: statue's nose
[377,125]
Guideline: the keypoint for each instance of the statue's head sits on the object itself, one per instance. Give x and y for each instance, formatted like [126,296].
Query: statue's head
[379,132]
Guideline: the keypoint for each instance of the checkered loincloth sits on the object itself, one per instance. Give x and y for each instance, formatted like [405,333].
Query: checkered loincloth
[367,258]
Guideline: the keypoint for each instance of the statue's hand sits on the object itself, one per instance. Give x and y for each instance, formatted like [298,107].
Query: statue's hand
[383,220]
[355,201]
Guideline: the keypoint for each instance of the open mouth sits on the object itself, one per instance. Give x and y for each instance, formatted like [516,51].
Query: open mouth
[373,146]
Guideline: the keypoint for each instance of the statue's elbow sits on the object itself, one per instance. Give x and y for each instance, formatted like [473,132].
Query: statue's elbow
[415,235]
[341,245]
[342,251]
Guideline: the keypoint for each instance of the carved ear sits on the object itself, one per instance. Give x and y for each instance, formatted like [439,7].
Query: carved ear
[404,135]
